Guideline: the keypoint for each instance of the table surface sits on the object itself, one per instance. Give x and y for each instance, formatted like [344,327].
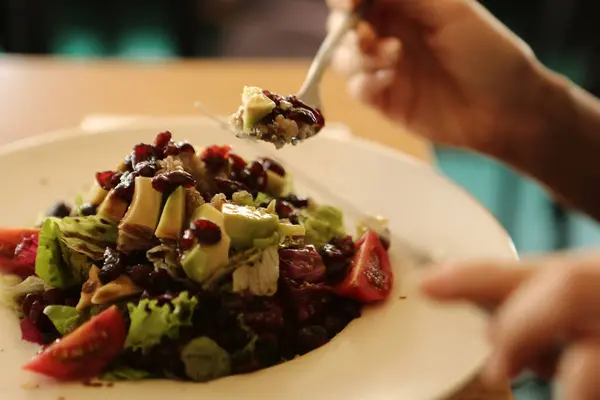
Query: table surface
[41,94]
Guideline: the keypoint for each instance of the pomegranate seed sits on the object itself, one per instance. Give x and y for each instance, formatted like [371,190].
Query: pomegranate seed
[207,232]
[283,209]
[143,152]
[140,275]
[255,177]
[168,182]
[187,240]
[272,165]
[298,202]
[229,187]
[125,189]
[215,157]
[236,161]
[105,179]
[146,169]
[163,139]
[171,150]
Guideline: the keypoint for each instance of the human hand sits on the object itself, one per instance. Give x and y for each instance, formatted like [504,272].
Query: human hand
[447,69]
[545,316]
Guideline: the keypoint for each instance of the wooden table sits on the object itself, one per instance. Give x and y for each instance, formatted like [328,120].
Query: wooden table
[38,95]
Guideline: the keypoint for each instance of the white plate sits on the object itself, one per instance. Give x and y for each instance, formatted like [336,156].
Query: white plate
[404,349]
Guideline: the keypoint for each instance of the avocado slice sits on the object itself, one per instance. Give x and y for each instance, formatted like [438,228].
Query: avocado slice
[136,230]
[275,184]
[255,105]
[173,214]
[290,230]
[201,261]
[96,195]
[112,208]
[244,224]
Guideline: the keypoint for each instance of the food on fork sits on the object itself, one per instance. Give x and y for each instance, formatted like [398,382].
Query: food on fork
[272,118]
[187,263]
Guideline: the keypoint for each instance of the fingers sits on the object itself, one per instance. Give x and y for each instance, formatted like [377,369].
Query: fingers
[383,54]
[476,281]
[541,314]
[580,369]
[344,5]
[369,87]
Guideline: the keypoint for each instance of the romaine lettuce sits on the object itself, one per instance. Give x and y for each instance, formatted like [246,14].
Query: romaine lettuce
[67,245]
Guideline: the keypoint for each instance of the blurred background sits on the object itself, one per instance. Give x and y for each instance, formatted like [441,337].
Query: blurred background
[564,33]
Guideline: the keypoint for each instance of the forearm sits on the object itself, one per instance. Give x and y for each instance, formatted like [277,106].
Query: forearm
[560,147]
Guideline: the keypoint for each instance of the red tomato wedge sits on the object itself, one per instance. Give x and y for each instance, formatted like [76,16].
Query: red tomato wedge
[84,352]
[370,278]
[11,237]
[20,262]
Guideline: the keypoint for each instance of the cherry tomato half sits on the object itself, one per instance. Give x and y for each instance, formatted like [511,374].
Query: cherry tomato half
[84,352]
[370,278]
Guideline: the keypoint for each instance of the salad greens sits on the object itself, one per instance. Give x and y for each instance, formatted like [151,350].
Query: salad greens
[259,278]
[64,318]
[67,246]
[322,224]
[186,263]
[204,360]
[151,322]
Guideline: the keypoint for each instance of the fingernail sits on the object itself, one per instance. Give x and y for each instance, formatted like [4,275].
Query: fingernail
[494,373]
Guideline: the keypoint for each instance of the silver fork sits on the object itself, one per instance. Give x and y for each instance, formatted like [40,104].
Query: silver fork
[309,93]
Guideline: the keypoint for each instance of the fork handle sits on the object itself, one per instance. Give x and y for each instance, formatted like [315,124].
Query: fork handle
[323,57]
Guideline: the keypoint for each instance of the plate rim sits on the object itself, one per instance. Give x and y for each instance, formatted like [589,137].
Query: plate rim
[148,122]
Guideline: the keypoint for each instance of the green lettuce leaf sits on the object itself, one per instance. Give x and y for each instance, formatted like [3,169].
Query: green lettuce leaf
[49,262]
[204,360]
[88,235]
[64,318]
[259,278]
[124,373]
[151,322]
[322,224]
[67,245]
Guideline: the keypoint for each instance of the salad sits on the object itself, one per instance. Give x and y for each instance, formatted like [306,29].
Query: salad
[272,118]
[188,264]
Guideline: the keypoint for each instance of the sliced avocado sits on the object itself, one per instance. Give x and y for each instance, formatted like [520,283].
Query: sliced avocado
[288,229]
[173,214]
[275,184]
[96,195]
[202,261]
[255,105]
[136,230]
[112,208]
[244,224]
